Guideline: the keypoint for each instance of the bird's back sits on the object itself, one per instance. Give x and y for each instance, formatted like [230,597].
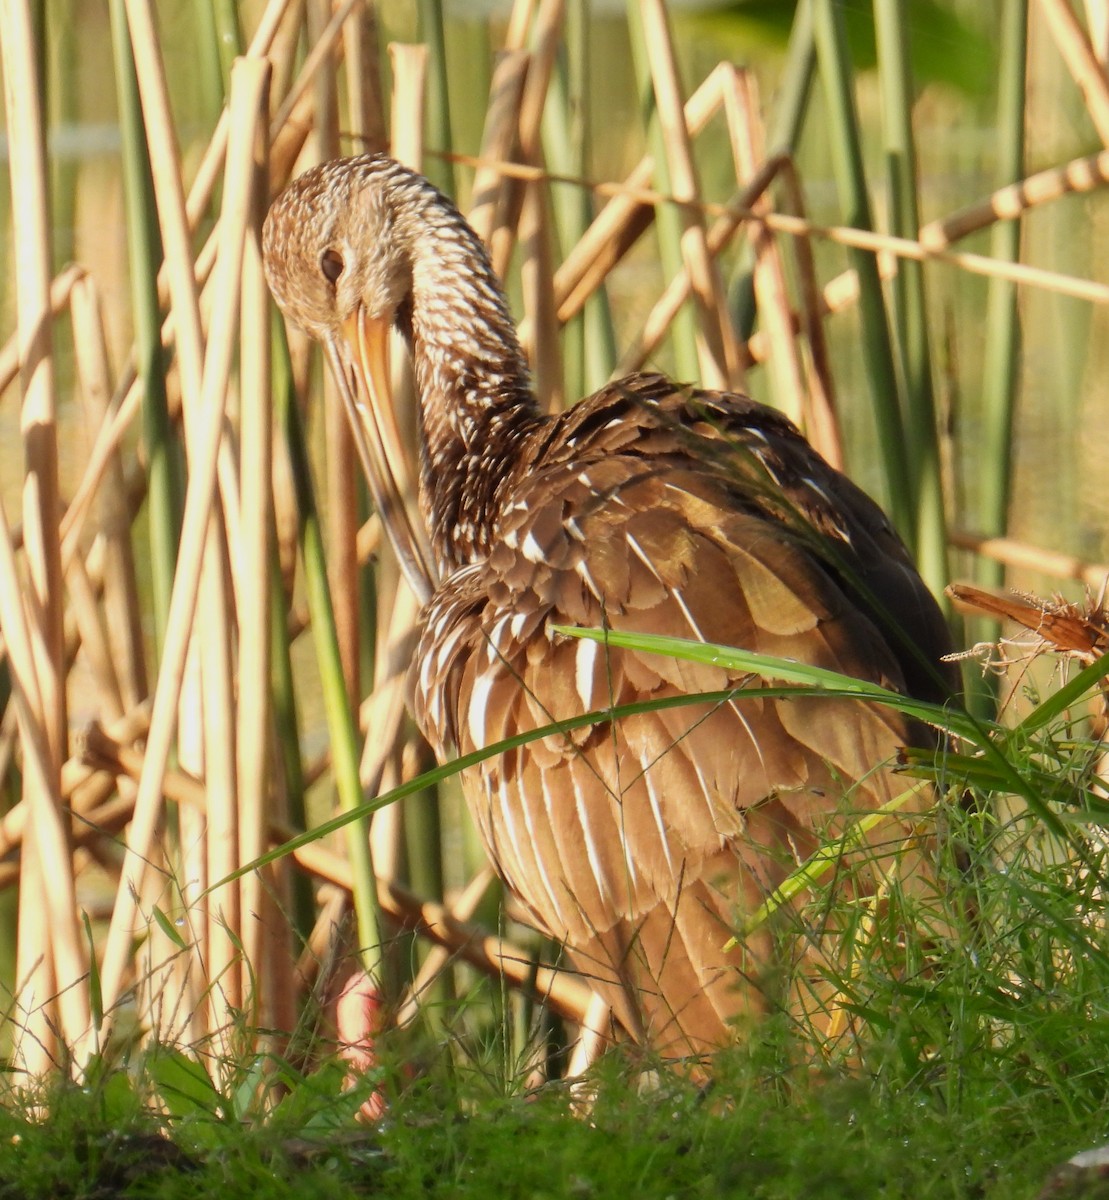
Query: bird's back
[644,841]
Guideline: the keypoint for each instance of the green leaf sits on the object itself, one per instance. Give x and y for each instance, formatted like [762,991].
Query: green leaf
[169,928]
[183,1084]
[809,680]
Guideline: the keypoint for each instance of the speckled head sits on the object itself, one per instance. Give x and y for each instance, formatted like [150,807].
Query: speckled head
[331,241]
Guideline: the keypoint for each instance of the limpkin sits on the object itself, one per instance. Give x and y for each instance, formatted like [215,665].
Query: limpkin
[640,842]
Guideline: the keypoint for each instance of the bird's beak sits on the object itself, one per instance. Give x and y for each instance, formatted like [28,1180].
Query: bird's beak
[359,359]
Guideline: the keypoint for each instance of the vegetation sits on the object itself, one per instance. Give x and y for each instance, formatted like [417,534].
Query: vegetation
[204,639]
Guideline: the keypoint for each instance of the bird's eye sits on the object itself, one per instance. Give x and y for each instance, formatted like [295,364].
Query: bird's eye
[331,264]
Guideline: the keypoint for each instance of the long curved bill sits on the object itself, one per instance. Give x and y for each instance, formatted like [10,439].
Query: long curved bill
[359,361]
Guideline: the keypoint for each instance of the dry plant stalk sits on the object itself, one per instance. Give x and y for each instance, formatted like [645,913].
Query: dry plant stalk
[716,347]
[51,958]
[1081,60]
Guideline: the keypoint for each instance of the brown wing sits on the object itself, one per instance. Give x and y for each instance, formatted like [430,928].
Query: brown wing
[642,842]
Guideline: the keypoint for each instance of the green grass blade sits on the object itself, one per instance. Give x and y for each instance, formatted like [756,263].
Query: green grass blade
[1065,697]
[818,864]
[810,679]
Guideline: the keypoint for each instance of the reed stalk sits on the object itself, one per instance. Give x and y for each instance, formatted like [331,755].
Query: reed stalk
[51,956]
[341,725]
[742,109]
[1002,328]
[438,105]
[254,610]
[910,310]
[669,221]
[878,357]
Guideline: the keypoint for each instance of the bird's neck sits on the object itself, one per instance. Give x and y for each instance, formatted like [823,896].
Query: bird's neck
[475,400]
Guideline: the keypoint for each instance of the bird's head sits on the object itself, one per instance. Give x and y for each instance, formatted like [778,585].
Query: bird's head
[332,248]
[339,265]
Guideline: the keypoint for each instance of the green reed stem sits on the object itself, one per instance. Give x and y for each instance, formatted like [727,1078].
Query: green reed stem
[283,680]
[589,341]
[209,66]
[438,119]
[795,86]
[341,724]
[598,330]
[165,467]
[1002,327]
[1000,358]
[909,303]
[847,162]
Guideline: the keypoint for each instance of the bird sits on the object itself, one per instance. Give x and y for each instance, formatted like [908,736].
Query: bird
[641,843]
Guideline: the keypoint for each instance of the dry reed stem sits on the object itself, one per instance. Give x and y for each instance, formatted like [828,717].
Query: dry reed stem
[121,598]
[488,205]
[1008,203]
[543,347]
[528,120]
[185,675]
[90,617]
[879,244]
[519,22]
[525,214]
[1081,61]
[248,106]
[60,288]
[381,713]
[594,1037]
[198,505]
[116,423]
[1014,553]
[365,95]
[253,612]
[822,416]
[341,480]
[50,957]
[165,166]
[325,98]
[678,289]
[546,40]
[741,111]
[717,353]
[1097,20]
[381,719]
[406,135]
[406,139]
[461,909]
